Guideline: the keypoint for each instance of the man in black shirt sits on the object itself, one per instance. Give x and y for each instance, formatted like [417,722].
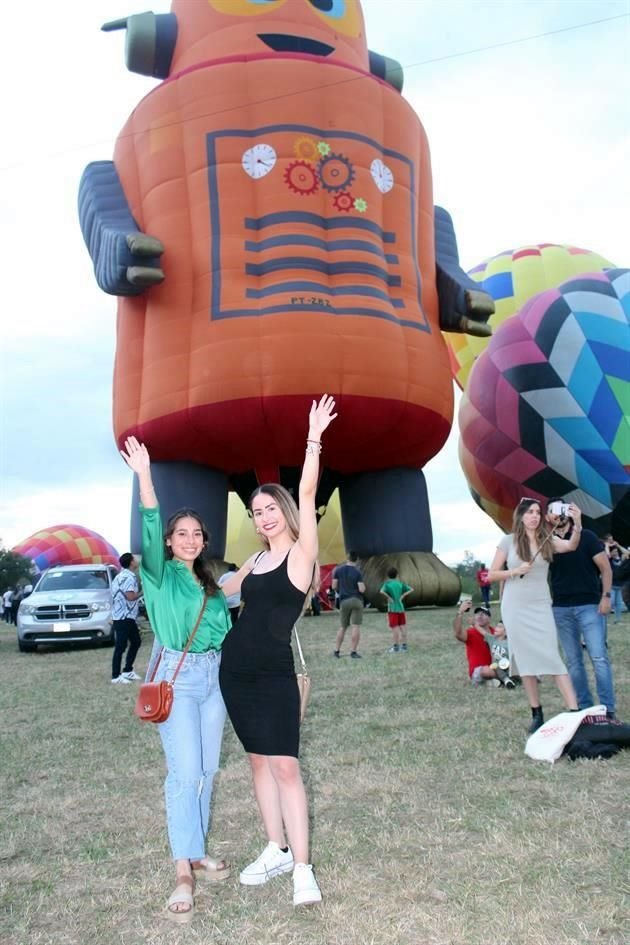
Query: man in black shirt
[580,587]
[348,582]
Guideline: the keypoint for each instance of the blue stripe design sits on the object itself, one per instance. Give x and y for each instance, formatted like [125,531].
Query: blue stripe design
[605,412]
[612,361]
[579,432]
[327,309]
[322,223]
[499,286]
[309,287]
[590,480]
[332,246]
[318,265]
[608,331]
[585,377]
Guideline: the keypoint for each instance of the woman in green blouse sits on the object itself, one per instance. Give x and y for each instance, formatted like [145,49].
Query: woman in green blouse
[175,583]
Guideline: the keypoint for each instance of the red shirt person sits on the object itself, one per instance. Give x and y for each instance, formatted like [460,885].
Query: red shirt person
[480,664]
[484,585]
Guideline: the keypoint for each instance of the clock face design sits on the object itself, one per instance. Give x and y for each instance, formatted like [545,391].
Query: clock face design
[382,175]
[258,160]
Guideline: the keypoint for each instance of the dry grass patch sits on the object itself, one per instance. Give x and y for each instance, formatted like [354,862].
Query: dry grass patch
[430,826]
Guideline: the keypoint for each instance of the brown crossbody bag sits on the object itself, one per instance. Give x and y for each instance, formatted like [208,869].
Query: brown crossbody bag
[155,699]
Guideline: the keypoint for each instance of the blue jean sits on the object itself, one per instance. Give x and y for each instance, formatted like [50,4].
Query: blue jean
[191,739]
[616,603]
[585,622]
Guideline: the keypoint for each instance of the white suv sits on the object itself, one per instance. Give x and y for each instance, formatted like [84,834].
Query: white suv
[69,604]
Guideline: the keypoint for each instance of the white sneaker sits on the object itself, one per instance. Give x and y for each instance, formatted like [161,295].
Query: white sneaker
[306,892]
[130,675]
[120,680]
[272,862]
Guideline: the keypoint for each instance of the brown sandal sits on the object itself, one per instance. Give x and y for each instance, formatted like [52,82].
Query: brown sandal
[214,870]
[182,895]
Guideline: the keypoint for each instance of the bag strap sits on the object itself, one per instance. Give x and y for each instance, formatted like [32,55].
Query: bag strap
[299,649]
[157,663]
[186,648]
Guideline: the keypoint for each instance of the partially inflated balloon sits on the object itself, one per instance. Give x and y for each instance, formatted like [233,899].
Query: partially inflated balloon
[512,278]
[547,408]
[67,544]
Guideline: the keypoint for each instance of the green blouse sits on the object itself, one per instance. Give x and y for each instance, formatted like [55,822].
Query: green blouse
[173,597]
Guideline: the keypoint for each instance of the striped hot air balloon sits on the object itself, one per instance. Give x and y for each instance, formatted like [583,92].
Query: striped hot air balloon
[512,278]
[67,544]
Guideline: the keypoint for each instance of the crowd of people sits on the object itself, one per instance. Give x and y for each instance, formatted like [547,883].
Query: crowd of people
[557,585]
[230,642]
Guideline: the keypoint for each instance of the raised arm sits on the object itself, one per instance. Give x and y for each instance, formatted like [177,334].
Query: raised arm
[562,545]
[136,455]
[320,417]
[458,628]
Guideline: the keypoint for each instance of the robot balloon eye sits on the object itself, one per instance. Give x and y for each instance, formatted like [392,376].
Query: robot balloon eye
[334,8]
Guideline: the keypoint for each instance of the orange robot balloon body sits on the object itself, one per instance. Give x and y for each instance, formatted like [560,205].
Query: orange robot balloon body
[292,192]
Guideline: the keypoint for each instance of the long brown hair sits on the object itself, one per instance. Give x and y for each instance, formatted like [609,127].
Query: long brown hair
[521,541]
[286,503]
[202,573]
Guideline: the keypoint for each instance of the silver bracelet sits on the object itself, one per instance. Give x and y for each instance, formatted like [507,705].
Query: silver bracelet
[313,448]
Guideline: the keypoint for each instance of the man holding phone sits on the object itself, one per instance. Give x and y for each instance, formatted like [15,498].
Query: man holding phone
[581,582]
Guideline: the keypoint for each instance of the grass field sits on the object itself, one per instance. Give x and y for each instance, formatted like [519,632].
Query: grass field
[430,825]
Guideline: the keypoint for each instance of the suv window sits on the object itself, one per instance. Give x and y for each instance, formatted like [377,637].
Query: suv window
[74,580]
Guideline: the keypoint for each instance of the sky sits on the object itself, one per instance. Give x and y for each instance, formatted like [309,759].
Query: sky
[530,142]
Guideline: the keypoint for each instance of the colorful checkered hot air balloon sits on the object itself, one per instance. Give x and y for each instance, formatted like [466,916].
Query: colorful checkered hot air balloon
[67,544]
[547,407]
[512,278]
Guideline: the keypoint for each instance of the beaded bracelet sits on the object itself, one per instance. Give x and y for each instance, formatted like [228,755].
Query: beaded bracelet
[313,447]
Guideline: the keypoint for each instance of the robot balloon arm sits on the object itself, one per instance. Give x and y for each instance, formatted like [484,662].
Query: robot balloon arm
[126,261]
[389,70]
[149,43]
[464,307]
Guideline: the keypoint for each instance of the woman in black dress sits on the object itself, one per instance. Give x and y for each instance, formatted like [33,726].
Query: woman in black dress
[257,675]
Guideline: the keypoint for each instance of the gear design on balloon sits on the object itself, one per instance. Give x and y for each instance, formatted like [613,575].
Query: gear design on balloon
[323,148]
[335,172]
[301,178]
[307,149]
[344,201]
[360,204]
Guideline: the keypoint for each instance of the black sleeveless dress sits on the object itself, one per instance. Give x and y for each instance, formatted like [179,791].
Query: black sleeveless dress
[257,674]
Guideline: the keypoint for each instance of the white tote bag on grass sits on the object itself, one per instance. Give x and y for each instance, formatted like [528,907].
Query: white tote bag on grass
[547,743]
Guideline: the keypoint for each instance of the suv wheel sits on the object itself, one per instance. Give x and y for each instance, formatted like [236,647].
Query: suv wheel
[27,647]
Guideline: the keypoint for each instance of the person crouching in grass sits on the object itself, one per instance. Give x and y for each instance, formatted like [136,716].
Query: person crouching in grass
[395,591]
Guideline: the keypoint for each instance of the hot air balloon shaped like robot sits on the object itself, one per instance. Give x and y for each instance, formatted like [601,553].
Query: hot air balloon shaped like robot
[268,226]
